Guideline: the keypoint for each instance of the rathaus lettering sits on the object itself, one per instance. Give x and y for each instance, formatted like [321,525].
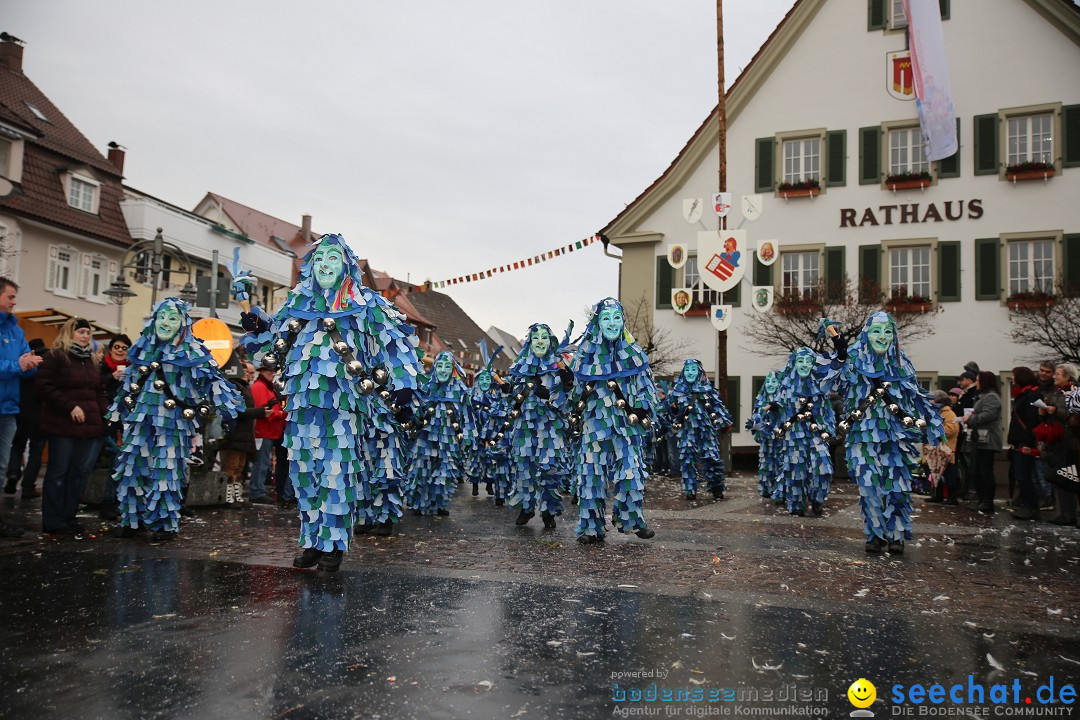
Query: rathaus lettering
[911,213]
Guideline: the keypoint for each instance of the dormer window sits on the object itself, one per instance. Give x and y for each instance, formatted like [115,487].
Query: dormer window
[83,192]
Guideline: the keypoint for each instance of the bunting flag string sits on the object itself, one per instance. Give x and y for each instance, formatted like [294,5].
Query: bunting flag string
[509,267]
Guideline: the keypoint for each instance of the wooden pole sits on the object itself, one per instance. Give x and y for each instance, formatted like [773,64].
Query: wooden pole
[721,185]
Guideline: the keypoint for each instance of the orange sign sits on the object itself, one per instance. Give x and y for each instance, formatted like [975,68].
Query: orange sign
[217,338]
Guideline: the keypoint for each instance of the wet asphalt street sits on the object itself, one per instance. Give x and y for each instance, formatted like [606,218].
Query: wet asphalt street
[758,613]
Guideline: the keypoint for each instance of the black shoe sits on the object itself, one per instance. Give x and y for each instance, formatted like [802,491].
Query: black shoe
[499,502]
[976,507]
[896,548]
[331,561]
[262,500]
[10,531]
[442,512]
[986,509]
[645,533]
[691,495]
[361,529]
[123,531]
[475,489]
[799,511]
[718,494]
[9,486]
[76,528]
[549,520]
[416,512]
[109,513]
[309,558]
[590,539]
[162,536]
[524,517]
[573,500]
[489,489]
[383,529]
[31,493]
[1024,513]
[1057,520]
[815,507]
[187,512]
[935,499]
[951,501]
[875,546]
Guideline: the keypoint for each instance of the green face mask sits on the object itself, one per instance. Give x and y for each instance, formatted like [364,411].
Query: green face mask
[690,372]
[483,380]
[540,342]
[771,383]
[611,323]
[444,368]
[167,323]
[881,337]
[327,263]
[804,364]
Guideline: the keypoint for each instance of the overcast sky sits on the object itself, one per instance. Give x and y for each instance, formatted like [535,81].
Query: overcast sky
[440,138]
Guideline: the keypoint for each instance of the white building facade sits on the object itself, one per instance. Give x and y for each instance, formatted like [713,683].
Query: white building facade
[820,101]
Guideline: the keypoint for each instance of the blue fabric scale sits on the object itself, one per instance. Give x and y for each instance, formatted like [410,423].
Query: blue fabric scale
[698,442]
[156,442]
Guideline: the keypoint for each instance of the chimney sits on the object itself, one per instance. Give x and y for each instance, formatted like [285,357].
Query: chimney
[116,156]
[11,52]
[305,229]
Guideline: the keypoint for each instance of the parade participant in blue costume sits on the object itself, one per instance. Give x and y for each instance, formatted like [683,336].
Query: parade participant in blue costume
[347,358]
[886,412]
[490,460]
[696,413]
[806,423]
[616,403]
[444,433]
[538,434]
[171,386]
[762,422]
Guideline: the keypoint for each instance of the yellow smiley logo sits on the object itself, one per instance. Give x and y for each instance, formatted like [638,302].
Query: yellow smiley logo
[862,693]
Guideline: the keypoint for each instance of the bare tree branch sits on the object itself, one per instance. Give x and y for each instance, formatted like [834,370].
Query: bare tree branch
[666,353]
[1047,325]
[792,322]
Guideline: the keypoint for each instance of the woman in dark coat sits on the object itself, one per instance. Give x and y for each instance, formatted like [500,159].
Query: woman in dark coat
[1025,417]
[985,423]
[73,406]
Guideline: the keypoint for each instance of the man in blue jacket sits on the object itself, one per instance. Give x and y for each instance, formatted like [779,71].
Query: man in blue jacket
[16,361]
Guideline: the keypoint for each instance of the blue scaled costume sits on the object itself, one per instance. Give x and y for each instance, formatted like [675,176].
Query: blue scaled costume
[490,457]
[806,424]
[762,422]
[444,433]
[542,463]
[696,414]
[616,404]
[169,389]
[345,354]
[886,412]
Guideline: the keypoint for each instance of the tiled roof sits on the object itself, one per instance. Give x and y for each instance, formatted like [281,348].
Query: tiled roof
[263,228]
[56,147]
[454,327]
[511,345]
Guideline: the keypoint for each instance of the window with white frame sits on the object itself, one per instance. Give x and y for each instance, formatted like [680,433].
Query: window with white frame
[802,159]
[81,194]
[897,18]
[800,275]
[692,279]
[94,278]
[1030,138]
[906,151]
[909,273]
[1031,266]
[5,157]
[62,268]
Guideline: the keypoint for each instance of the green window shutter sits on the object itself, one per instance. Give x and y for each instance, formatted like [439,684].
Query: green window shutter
[764,164]
[988,269]
[986,144]
[944,5]
[950,167]
[762,273]
[1070,128]
[870,155]
[834,274]
[755,386]
[869,274]
[836,150]
[948,259]
[875,14]
[732,402]
[665,281]
[1070,273]
[733,297]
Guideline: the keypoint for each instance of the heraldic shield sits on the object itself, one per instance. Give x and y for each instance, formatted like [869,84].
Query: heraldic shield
[721,258]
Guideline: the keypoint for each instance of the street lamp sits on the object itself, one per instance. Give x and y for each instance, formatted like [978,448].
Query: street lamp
[137,259]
